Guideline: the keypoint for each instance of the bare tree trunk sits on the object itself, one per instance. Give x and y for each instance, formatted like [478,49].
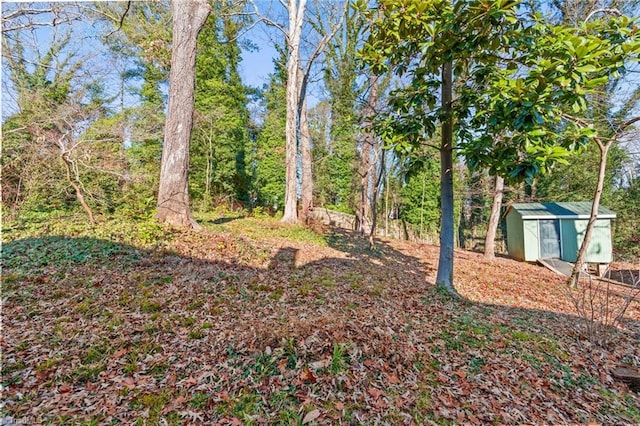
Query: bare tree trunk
[494,219]
[307,165]
[386,203]
[582,252]
[374,199]
[363,212]
[173,194]
[296,15]
[74,183]
[366,165]
[444,278]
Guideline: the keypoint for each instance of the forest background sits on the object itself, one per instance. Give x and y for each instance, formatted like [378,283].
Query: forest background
[85,96]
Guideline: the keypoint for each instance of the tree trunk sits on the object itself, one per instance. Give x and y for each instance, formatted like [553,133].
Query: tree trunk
[374,199]
[494,220]
[307,165]
[362,212]
[173,194]
[582,252]
[386,203]
[296,15]
[366,165]
[444,278]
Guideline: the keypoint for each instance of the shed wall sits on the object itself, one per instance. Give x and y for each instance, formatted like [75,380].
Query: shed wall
[600,248]
[515,235]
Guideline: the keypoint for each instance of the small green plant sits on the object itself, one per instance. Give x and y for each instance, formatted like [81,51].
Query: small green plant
[264,365]
[476,364]
[86,373]
[183,321]
[150,306]
[154,403]
[196,334]
[49,363]
[291,352]
[131,366]
[305,289]
[339,358]
[158,370]
[195,305]
[96,353]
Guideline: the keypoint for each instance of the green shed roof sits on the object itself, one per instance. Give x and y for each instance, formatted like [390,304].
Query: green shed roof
[571,210]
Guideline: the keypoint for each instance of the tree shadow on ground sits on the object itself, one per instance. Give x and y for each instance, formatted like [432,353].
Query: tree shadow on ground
[136,323]
[383,254]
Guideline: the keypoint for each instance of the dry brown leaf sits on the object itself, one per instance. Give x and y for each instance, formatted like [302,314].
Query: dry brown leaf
[311,416]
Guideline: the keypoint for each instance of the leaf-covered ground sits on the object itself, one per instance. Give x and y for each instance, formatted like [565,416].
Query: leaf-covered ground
[251,322]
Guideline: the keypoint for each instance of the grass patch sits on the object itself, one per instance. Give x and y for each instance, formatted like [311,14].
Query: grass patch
[86,373]
[154,403]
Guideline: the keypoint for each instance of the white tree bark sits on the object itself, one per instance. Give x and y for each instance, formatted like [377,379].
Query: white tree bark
[296,11]
[296,87]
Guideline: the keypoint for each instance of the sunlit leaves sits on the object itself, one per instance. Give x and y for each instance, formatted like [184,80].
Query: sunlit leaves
[515,77]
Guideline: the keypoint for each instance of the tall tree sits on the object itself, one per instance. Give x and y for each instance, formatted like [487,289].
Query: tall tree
[173,194]
[138,35]
[367,167]
[519,76]
[444,278]
[269,173]
[296,89]
[346,85]
[307,165]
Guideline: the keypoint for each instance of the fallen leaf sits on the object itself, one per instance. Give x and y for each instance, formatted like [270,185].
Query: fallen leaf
[392,378]
[307,376]
[311,416]
[129,382]
[374,392]
[120,352]
[460,374]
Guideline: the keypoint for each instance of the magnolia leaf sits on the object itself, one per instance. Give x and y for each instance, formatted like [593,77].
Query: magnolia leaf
[586,68]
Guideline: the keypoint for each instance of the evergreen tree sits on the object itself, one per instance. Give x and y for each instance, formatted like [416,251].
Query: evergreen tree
[270,144]
[219,145]
[341,80]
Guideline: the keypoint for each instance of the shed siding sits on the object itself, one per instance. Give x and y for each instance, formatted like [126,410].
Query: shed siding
[515,236]
[599,251]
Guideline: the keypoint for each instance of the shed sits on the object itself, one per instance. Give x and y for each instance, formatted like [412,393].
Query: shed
[556,230]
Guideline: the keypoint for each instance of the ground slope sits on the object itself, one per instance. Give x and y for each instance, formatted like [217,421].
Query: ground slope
[251,322]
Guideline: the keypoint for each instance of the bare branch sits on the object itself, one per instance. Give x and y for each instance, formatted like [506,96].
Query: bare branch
[124,14]
[61,15]
[605,11]
[318,50]
[269,22]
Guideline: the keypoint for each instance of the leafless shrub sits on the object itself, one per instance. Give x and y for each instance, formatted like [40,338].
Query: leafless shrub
[601,305]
